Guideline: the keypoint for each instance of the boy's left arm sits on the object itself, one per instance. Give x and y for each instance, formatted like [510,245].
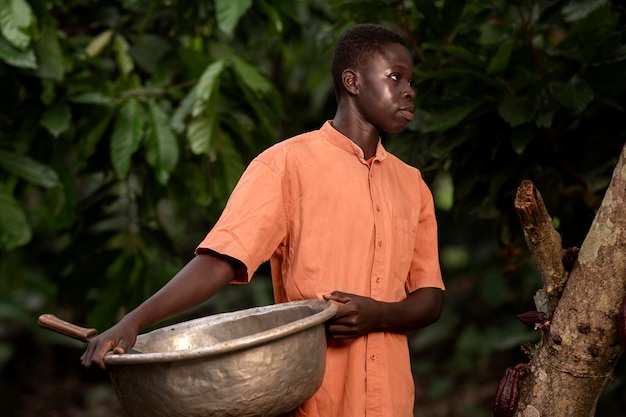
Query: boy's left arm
[360,315]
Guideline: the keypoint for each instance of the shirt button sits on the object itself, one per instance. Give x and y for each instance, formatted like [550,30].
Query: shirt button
[377,280]
[380,243]
[373,357]
[377,207]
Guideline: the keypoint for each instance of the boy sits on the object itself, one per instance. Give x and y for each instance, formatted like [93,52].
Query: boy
[339,218]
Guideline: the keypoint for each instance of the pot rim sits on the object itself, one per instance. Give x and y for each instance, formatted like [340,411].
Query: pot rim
[329,308]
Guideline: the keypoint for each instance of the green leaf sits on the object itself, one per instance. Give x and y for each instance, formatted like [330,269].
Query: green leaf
[228,13]
[207,85]
[266,109]
[48,92]
[443,191]
[148,49]
[127,134]
[501,59]
[250,76]
[428,122]
[28,169]
[15,230]
[56,119]
[16,58]
[230,159]
[49,54]
[521,138]
[93,97]
[517,110]
[545,115]
[124,60]
[16,17]
[579,9]
[97,44]
[200,132]
[492,32]
[183,111]
[161,145]
[575,96]
[273,15]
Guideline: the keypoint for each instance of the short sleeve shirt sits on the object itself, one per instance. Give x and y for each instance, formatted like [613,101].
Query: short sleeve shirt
[328,220]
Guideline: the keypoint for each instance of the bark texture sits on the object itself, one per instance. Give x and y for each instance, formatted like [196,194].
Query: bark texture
[579,349]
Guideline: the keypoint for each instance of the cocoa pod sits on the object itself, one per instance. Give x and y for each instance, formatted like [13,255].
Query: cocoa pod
[508,392]
[536,319]
[621,324]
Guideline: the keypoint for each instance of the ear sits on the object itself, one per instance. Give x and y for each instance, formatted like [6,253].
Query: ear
[349,80]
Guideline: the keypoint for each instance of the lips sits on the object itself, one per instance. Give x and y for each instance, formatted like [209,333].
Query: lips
[407,112]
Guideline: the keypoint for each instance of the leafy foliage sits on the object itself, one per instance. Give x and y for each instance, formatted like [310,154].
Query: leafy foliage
[124,125]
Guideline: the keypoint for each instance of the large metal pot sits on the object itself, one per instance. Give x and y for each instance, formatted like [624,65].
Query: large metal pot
[263,362]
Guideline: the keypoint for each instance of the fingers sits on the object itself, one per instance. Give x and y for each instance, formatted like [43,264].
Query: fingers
[337,296]
[123,346]
[344,324]
[97,350]
[342,330]
[94,355]
[356,316]
[119,350]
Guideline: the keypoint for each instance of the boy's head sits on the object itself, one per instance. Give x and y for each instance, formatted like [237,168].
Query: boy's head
[356,46]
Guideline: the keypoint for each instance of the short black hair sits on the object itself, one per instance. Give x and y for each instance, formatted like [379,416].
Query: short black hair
[357,45]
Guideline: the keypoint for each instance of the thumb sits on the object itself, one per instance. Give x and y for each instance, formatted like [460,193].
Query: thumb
[337,296]
[122,347]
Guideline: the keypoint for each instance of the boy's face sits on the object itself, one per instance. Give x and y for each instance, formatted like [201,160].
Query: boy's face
[385,95]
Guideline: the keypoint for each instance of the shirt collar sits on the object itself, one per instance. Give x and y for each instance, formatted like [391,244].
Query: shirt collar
[345,143]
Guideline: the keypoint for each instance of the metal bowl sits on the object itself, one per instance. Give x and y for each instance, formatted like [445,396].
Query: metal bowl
[263,362]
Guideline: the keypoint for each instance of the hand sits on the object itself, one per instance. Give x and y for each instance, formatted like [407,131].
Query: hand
[119,339]
[356,316]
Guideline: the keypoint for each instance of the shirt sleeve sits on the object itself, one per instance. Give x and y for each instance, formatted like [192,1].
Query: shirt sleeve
[425,268]
[253,223]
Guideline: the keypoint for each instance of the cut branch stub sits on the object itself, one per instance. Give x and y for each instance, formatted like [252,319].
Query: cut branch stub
[543,241]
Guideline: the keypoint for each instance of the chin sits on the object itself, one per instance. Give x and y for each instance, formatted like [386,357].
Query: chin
[395,129]
[392,125]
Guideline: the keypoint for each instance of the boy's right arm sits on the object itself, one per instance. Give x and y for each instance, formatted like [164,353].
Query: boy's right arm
[197,281]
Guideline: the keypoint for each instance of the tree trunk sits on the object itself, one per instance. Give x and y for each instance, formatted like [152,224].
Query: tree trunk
[580,347]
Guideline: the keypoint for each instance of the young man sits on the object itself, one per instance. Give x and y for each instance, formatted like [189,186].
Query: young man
[339,218]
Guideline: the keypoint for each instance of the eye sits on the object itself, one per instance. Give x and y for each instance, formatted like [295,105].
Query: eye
[397,77]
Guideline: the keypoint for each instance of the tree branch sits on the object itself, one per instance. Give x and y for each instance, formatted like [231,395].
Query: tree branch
[579,350]
[543,241]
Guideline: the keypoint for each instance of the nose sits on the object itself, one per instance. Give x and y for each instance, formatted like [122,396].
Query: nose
[409,93]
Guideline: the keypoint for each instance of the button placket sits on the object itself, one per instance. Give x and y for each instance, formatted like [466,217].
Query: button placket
[376,290]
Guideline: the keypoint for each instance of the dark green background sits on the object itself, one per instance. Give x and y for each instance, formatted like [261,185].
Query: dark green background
[125,124]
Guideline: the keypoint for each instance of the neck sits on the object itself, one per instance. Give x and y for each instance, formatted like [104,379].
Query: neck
[364,135]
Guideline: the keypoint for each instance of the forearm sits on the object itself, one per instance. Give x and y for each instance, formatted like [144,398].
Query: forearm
[420,309]
[196,282]
[359,315]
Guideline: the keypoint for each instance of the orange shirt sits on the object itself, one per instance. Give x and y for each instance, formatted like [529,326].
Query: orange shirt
[328,221]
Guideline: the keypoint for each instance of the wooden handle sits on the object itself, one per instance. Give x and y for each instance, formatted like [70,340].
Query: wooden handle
[52,322]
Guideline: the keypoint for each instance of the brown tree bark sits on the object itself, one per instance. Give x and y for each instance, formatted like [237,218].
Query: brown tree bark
[580,347]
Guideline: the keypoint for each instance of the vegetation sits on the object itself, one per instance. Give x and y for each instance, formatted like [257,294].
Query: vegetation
[125,124]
